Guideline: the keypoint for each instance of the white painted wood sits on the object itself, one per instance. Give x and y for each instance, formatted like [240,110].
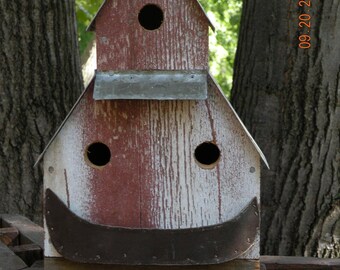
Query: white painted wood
[66,174]
[186,195]
[183,194]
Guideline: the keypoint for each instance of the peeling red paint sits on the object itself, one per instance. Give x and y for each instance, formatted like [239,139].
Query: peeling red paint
[152,179]
[181,43]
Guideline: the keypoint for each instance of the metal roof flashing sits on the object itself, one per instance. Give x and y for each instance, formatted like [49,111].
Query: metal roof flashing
[92,26]
[151,85]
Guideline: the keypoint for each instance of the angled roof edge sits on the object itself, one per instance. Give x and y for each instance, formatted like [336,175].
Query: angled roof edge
[63,123]
[206,15]
[258,149]
[91,27]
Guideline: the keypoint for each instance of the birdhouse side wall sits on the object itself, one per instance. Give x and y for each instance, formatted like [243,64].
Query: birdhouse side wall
[181,42]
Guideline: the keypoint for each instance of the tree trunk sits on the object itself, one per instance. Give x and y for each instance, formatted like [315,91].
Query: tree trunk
[40,79]
[289,99]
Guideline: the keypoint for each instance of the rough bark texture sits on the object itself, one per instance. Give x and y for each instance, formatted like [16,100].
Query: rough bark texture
[289,99]
[40,79]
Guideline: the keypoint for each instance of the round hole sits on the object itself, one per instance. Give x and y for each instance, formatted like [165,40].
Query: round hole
[207,155]
[98,154]
[151,17]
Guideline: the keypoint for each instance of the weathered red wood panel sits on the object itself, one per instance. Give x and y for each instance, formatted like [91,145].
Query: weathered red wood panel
[181,43]
[153,179]
[118,188]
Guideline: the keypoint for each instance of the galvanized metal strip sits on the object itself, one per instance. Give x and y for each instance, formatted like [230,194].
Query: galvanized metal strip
[81,241]
[151,85]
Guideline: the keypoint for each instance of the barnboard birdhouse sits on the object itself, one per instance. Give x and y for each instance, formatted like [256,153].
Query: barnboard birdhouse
[152,166]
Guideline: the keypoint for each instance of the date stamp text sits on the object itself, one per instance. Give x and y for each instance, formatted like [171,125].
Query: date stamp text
[305,24]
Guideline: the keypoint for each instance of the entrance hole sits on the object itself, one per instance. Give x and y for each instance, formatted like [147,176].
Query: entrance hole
[151,17]
[207,155]
[98,154]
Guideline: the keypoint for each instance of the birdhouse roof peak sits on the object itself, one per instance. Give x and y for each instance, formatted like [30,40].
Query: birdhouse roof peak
[92,27]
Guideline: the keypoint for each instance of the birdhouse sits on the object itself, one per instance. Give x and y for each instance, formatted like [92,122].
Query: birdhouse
[152,166]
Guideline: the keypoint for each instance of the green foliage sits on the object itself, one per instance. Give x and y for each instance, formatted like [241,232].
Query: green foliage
[85,12]
[225,15]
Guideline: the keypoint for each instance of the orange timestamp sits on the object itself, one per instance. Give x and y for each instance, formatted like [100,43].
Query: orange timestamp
[305,25]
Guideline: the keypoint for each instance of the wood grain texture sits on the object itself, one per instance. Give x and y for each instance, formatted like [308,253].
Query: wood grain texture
[181,43]
[9,236]
[153,180]
[30,233]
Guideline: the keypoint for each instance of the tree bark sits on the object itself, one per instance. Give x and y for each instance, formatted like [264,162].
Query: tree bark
[40,79]
[289,100]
